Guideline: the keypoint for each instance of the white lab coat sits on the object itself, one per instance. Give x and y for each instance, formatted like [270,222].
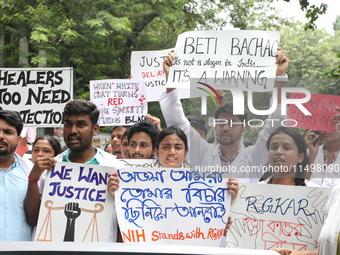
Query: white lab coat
[328,177]
[203,154]
[328,238]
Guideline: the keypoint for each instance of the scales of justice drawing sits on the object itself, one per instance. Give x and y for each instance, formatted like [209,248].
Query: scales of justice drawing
[45,233]
[75,205]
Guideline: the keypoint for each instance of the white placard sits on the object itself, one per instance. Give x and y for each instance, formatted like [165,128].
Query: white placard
[139,163]
[148,66]
[75,205]
[38,94]
[172,206]
[120,102]
[268,216]
[245,59]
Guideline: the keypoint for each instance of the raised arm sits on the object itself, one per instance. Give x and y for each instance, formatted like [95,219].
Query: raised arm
[282,66]
[167,63]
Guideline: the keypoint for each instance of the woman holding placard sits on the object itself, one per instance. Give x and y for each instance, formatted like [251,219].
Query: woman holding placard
[287,157]
[171,150]
[329,238]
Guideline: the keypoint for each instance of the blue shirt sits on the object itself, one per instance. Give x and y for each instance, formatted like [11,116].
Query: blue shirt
[13,188]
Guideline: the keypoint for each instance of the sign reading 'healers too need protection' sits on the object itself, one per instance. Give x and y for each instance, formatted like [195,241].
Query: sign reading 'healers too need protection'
[38,94]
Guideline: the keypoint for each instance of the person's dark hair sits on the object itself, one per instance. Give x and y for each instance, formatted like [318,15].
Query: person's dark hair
[246,144]
[146,127]
[199,126]
[52,141]
[169,131]
[125,134]
[81,106]
[106,146]
[227,107]
[302,148]
[211,139]
[196,118]
[13,119]
[115,127]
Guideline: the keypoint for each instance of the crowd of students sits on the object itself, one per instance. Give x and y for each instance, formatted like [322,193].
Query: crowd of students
[182,144]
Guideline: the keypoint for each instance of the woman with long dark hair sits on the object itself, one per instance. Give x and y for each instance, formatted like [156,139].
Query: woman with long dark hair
[172,147]
[287,158]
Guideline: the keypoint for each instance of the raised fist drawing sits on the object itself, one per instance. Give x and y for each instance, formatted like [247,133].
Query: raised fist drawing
[72,212]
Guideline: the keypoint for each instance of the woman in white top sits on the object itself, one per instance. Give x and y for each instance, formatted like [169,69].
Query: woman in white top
[287,157]
[171,150]
[329,238]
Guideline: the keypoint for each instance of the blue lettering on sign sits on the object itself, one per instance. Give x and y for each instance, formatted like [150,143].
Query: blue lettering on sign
[76,193]
[279,205]
[136,209]
[93,177]
[186,175]
[146,193]
[63,174]
[205,194]
[141,176]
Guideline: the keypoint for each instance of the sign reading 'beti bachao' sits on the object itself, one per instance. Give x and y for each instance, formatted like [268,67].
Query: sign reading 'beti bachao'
[245,59]
[38,94]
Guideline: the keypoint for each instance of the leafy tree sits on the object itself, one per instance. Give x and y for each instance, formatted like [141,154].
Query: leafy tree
[309,52]
[332,78]
[334,39]
[336,23]
[312,12]
[97,37]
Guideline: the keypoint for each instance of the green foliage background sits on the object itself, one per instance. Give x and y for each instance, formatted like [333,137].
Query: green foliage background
[96,37]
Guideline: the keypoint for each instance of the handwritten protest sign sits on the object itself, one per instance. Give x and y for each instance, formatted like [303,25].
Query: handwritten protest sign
[322,108]
[268,216]
[120,102]
[148,66]
[75,204]
[172,206]
[38,94]
[245,59]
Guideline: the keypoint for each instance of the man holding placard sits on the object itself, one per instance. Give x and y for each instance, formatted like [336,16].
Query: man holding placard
[13,174]
[80,125]
[230,151]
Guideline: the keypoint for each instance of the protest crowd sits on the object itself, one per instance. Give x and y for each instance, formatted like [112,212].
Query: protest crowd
[281,155]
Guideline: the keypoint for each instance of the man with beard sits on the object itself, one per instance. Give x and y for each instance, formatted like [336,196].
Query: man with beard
[142,138]
[14,178]
[229,153]
[80,125]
